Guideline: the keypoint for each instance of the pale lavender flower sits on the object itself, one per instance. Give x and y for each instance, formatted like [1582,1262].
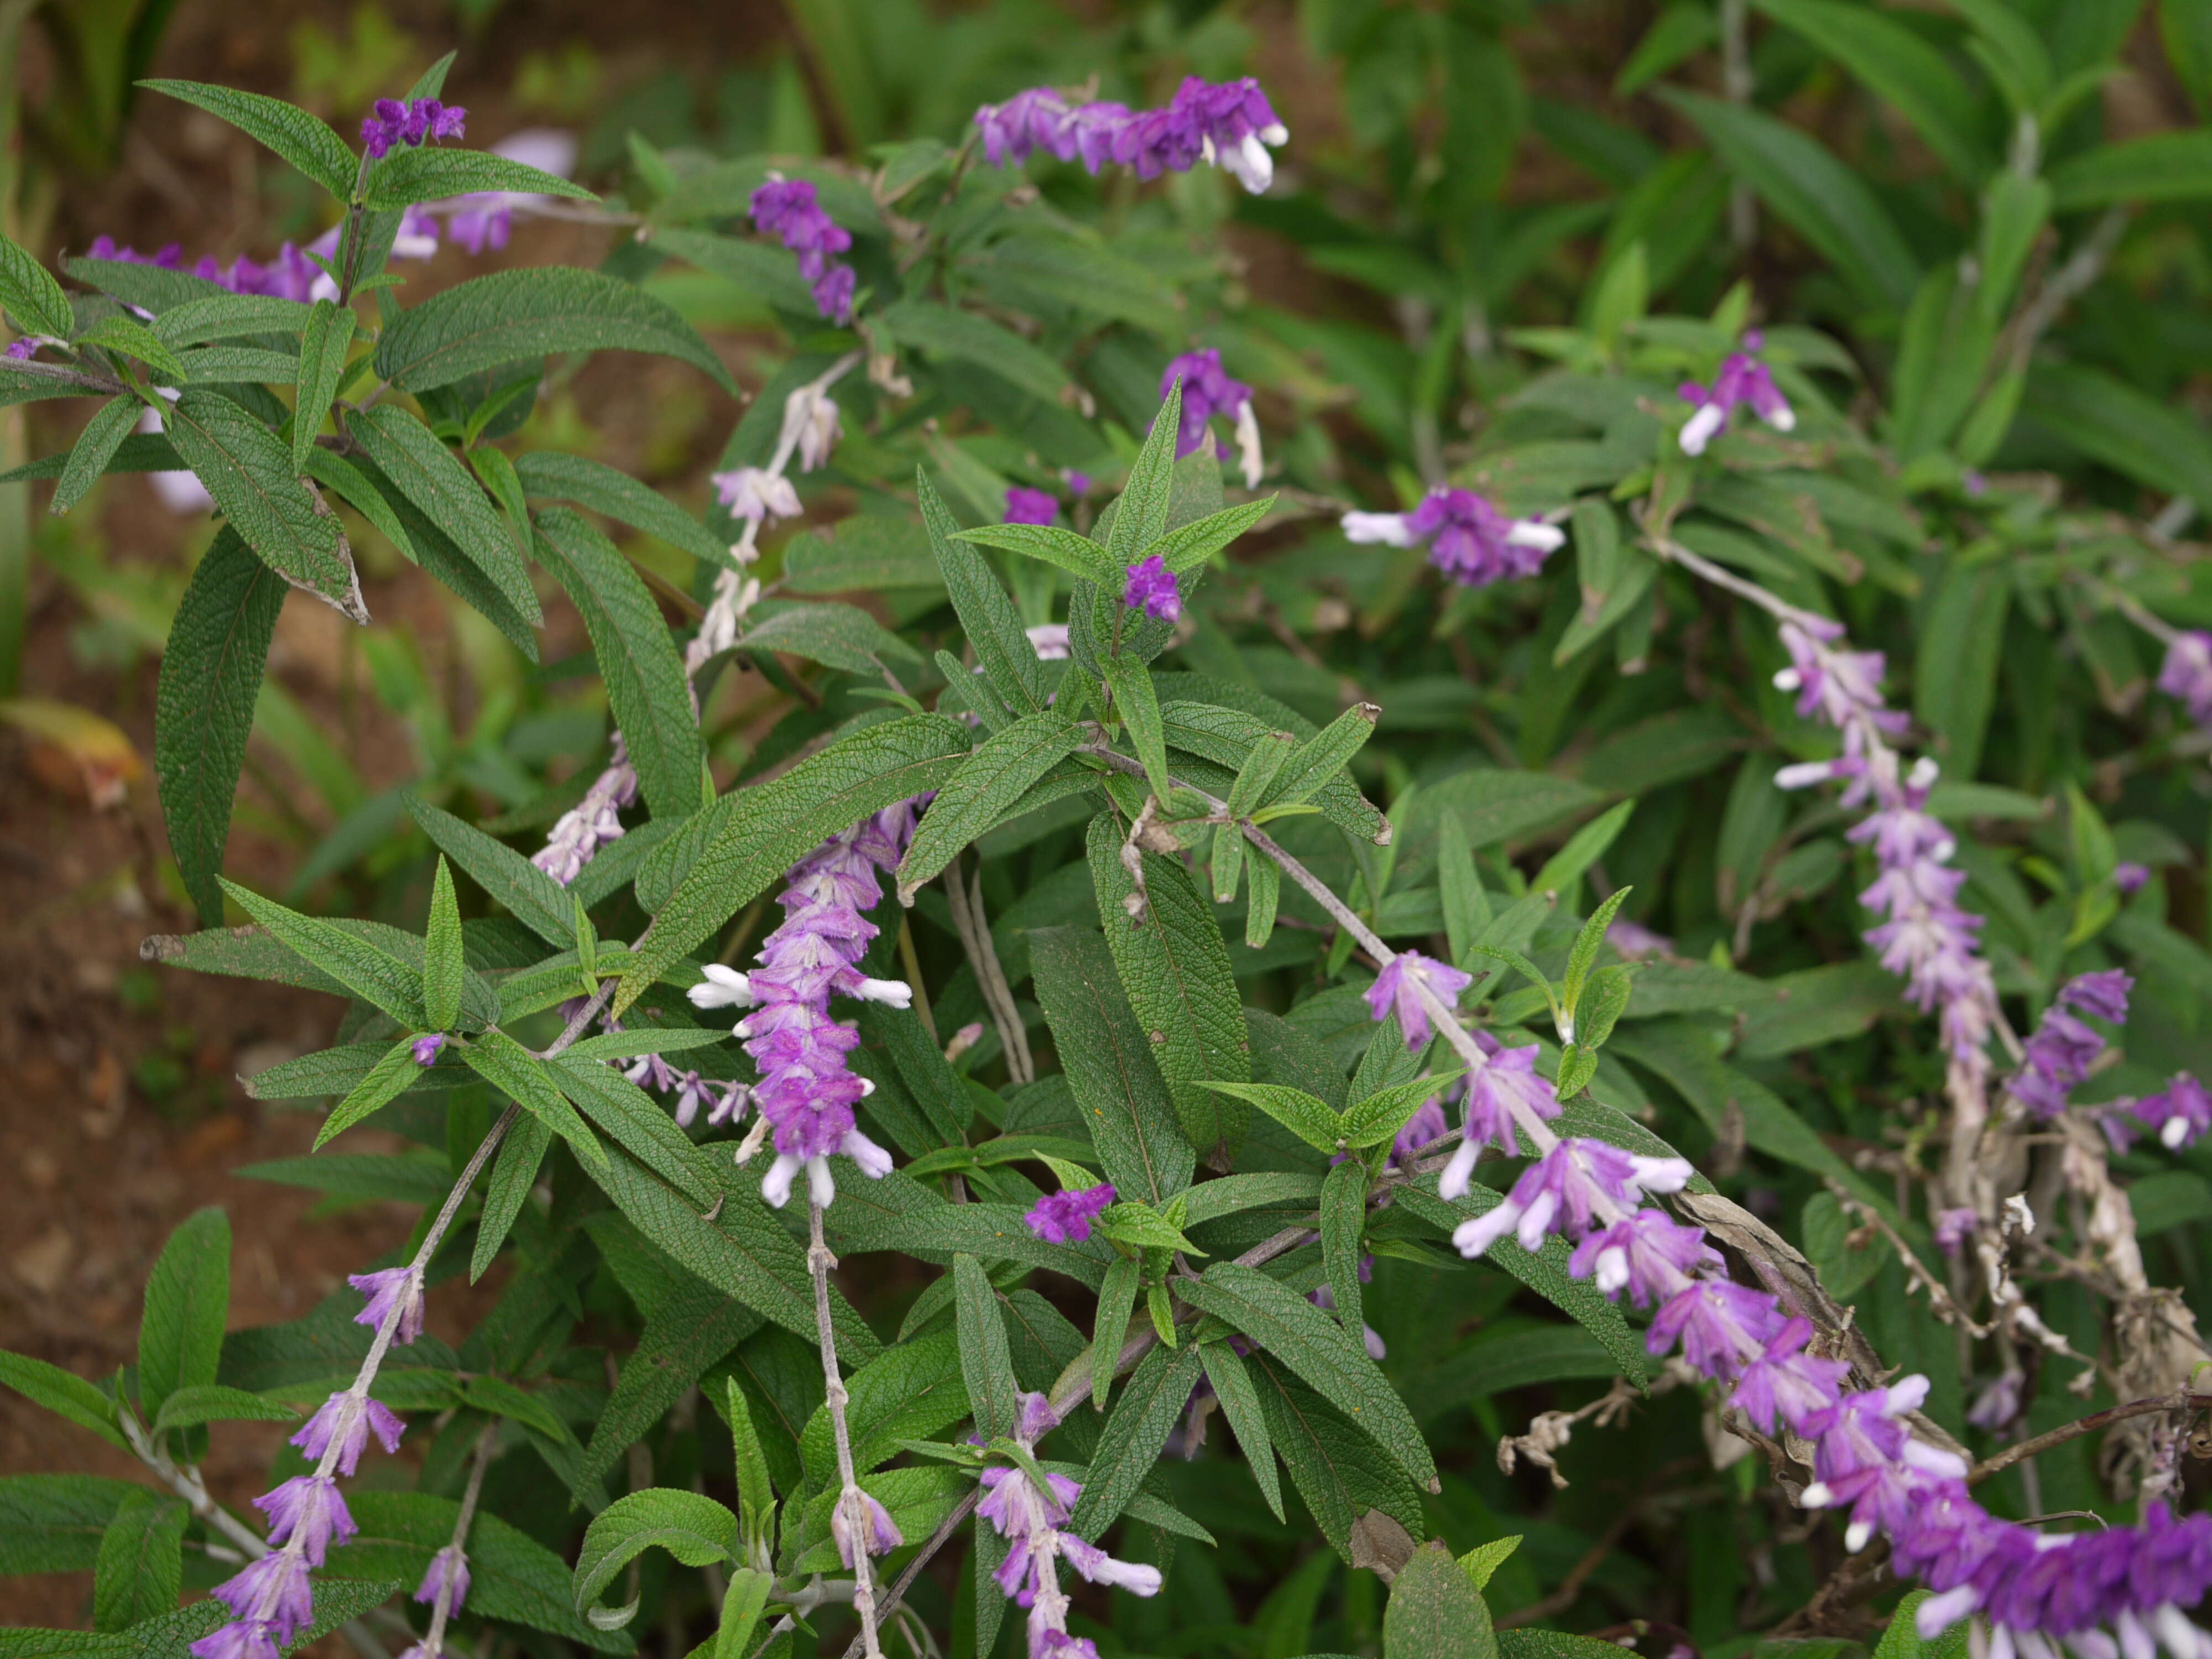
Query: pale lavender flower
[1397,990]
[788,209]
[1152,589]
[1951,1227]
[884,1535]
[812,424]
[308,1508]
[1469,539]
[2060,1054]
[393,1293]
[1644,1254]
[1049,642]
[1784,1383]
[2186,674]
[1427,1125]
[1568,1190]
[1998,1404]
[427,1047]
[346,1420]
[1065,1218]
[1230,125]
[750,492]
[2131,877]
[1742,379]
[272,1602]
[448,1576]
[594,821]
[1030,506]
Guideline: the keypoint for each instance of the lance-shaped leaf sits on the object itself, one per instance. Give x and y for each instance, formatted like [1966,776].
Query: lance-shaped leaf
[637,1122]
[369,973]
[64,1393]
[514,1172]
[513,314]
[430,476]
[975,339]
[1187,547]
[1055,545]
[1331,1462]
[1240,1404]
[32,295]
[1309,1119]
[1314,1345]
[750,837]
[95,447]
[1140,515]
[249,474]
[978,796]
[987,1364]
[1226,737]
[227,316]
[422,539]
[986,614]
[1435,1609]
[645,682]
[305,142]
[407,176]
[1378,1118]
[1343,1217]
[533,898]
[550,475]
[1139,706]
[696,1530]
[1175,966]
[203,706]
[141,1560]
[1110,1065]
[443,968]
[1117,1300]
[522,1077]
[1136,1428]
[394,1072]
[324,344]
[187,1304]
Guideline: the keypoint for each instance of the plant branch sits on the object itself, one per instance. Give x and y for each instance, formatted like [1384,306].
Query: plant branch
[2180,1400]
[974,930]
[433,1644]
[850,1498]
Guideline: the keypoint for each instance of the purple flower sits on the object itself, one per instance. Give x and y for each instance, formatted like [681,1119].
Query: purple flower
[427,1047]
[392,122]
[1469,539]
[1079,484]
[23,349]
[2104,995]
[448,1576]
[1575,1185]
[1650,1257]
[2131,877]
[307,1507]
[1784,1382]
[2062,1049]
[1030,506]
[346,1420]
[272,1594]
[2177,1114]
[1397,990]
[1427,1125]
[1998,1404]
[1065,1218]
[1951,1227]
[1207,391]
[1230,125]
[2186,674]
[1152,589]
[788,209]
[884,1535]
[483,219]
[248,1641]
[171,258]
[1501,1093]
[1721,1326]
[393,1290]
[1742,379]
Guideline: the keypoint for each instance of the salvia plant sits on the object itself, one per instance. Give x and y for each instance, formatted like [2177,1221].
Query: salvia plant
[959,1109]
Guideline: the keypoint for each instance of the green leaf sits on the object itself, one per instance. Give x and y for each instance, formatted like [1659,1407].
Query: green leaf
[743,1604]
[249,474]
[1484,1560]
[1175,966]
[424,173]
[531,895]
[1583,849]
[1055,545]
[975,339]
[1898,68]
[1314,1345]
[63,1392]
[1343,1224]
[514,1172]
[987,616]
[30,293]
[1955,681]
[362,968]
[1378,1118]
[977,796]
[187,1304]
[307,143]
[2166,166]
[551,475]
[1143,1227]
[1240,1404]
[1584,954]
[511,1068]
[1109,1066]
[131,338]
[1117,1300]
[1136,1428]
[695,1530]
[1820,199]
[751,836]
[389,1078]
[1434,1609]
[1188,547]
[430,474]
[213,1402]
[2137,435]
[141,1572]
[55,1522]
[203,706]
[512,314]
[986,1365]
[95,447]
[512,1577]
[227,316]
[412,1178]
[767,273]
[1140,515]
[442,966]
[1333,1465]
[1139,707]
[1228,735]
[639,1123]
[756,1495]
[324,344]
[646,684]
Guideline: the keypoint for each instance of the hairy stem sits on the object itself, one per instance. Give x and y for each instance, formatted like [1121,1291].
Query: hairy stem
[851,1500]
[433,1644]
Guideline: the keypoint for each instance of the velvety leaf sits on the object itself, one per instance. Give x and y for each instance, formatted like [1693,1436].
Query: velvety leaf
[307,143]
[1136,1428]
[187,1304]
[429,474]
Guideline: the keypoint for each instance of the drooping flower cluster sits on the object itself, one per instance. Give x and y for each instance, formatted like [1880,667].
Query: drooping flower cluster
[1230,125]
[1742,379]
[2031,1586]
[724,1098]
[2062,1049]
[1469,539]
[2186,674]
[806,1092]
[1396,991]
[271,1602]
[1500,1093]
[395,121]
[1152,588]
[1208,390]
[786,208]
[1925,937]
[579,834]
[1029,1518]
[1065,1218]
[291,275]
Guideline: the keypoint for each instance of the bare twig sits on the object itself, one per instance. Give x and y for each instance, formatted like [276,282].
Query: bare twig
[974,931]
[433,1642]
[850,1498]
[2182,1399]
